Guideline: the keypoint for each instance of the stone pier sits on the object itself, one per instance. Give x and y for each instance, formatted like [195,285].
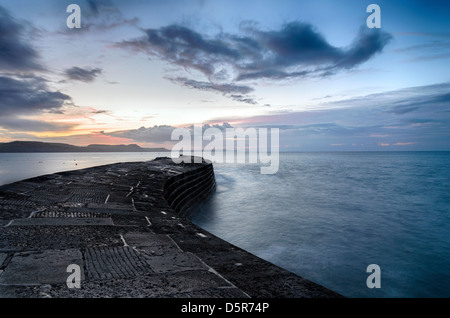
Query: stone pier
[123,226]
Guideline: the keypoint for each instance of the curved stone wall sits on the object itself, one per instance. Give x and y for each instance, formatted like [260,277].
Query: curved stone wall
[185,191]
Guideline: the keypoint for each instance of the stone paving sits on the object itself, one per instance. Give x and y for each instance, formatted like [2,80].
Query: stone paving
[114,223]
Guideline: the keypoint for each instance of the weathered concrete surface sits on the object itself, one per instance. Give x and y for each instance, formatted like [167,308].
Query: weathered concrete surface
[40,267]
[114,222]
[60,222]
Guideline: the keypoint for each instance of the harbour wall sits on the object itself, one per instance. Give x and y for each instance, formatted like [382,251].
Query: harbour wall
[186,190]
[124,225]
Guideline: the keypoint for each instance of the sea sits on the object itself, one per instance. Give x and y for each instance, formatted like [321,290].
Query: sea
[363,224]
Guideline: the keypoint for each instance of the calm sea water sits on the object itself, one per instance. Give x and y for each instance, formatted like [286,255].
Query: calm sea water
[327,216]
[324,216]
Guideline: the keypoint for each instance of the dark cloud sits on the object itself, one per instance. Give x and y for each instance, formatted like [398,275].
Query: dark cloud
[368,43]
[27,96]
[236,92]
[274,74]
[244,99]
[82,74]
[298,50]
[98,16]
[208,86]
[100,111]
[187,48]
[23,93]
[93,6]
[421,121]
[16,53]
[294,51]
[14,123]
[296,45]
[191,50]
[434,101]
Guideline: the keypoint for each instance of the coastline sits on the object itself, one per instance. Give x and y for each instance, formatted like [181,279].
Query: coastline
[123,224]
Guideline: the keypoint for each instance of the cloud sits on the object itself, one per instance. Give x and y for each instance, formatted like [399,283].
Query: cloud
[431,46]
[16,53]
[82,74]
[404,143]
[157,134]
[367,44]
[236,92]
[184,47]
[419,99]
[296,50]
[98,16]
[93,6]
[208,86]
[244,99]
[412,101]
[28,95]
[15,123]
[384,144]
[359,123]
[100,111]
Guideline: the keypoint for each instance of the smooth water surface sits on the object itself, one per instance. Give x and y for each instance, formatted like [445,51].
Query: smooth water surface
[327,216]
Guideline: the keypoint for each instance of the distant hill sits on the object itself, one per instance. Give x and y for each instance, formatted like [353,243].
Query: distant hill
[37,146]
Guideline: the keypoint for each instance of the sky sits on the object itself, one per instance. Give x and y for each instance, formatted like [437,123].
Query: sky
[136,69]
